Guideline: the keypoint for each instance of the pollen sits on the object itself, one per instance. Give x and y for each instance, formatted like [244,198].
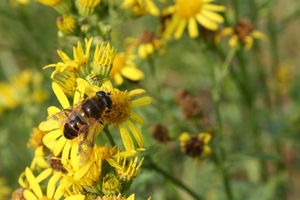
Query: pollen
[121,107]
[188,8]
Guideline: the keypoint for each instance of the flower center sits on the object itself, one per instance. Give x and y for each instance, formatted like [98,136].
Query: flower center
[243,28]
[194,147]
[147,37]
[121,108]
[188,8]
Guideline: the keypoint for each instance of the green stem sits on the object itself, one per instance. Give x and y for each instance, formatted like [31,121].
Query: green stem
[173,179]
[217,81]
[108,135]
[249,100]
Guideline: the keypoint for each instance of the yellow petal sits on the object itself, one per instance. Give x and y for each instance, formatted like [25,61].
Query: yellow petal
[233,41]
[136,133]
[28,195]
[138,119]
[127,140]
[193,28]
[74,156]
[52,184]
[131,197]
[142,52]
[132,73]
[76,197]
[118,79]
[213,16]
[136,92]
[216,8]
[180,28]
[33,183]
[259,35]
[143,101]
[59,145]
[207,23]
[44,174]
[248,42]
[113,163]
[53,135]
[65,153]
[62,98]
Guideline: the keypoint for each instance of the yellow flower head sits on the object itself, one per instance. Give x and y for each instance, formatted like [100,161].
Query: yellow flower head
[141,7]
[187,13]
[53,189]
[36,138]
[115,197]
[146,45]
[95,72]
[124,66]
[242,33]
[61,6]
[195,146]
[86,7]
[66,24]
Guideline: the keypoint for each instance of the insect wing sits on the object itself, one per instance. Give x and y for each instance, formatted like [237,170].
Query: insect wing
[87,141]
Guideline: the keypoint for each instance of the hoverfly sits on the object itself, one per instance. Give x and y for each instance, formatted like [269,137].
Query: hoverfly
[82,120]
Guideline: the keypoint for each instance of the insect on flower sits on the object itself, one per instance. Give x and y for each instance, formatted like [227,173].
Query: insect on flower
[82,120]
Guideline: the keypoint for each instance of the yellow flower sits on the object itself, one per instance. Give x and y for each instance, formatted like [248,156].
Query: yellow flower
[195,146]
[121,113]
[124,65]
[66,24]
[242,32]
[147,44]
[95,72]
[36,138]
[115,197]
[61,6]
[86,7]
[141,7]
[187,13]
[53,192]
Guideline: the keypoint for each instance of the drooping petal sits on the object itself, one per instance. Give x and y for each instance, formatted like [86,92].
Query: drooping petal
[192,27]
[180,28]
[138,119]
[136,133]
[125,135]
[207,23]
[52,184]
[62,98]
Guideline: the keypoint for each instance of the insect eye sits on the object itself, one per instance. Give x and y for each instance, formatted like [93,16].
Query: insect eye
[105,97]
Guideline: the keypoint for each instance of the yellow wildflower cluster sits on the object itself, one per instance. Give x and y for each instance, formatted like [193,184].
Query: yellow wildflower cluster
[66,154]
[24,89]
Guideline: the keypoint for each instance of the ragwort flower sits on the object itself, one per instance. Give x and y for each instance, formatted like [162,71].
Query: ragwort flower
[147,44]
[124,65]
[141,7]
[95,72]
[53,191]
[195,146]
[61,6]
[242,33]
[187,13]
[121,113]
[66,24]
